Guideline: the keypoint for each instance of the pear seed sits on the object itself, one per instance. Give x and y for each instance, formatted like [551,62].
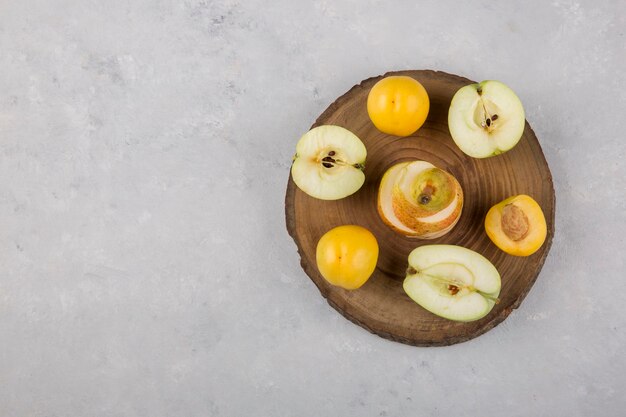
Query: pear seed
[453,289]
[494,117]
[331,153]
[327,164]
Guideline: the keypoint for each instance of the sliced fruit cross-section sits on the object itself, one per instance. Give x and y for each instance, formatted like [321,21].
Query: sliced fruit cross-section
[329,163]
[418,199]
[452,282]
[486,119]
[517,225]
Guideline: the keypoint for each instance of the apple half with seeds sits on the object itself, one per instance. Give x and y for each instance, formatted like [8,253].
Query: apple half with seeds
[452,282]
[486,119]
[329,163]
[417,199]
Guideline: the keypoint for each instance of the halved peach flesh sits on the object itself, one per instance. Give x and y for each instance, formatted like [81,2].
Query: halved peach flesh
[517,225]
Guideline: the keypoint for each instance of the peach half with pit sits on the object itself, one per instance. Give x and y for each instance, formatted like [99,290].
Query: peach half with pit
[517,225]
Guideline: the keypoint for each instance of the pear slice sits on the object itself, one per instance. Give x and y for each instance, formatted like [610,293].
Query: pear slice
[486,119]
[417,199]
[329,163]
[452,282]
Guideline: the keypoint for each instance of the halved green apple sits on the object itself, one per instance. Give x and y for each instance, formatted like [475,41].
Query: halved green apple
[452,282]
[486,119]
[329,163]
[417,199]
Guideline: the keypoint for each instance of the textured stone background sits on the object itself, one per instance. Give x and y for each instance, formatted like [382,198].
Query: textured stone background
[145,269]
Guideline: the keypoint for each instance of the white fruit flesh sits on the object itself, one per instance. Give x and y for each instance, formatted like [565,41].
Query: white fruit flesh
[476,282]
[385,200]
[402,177]
[329,180]
[473,126]
[443,214]
[407,175]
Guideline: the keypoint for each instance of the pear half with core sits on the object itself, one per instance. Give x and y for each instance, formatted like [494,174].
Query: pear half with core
[486,119]
[329,163]
[417,199]
[452,282]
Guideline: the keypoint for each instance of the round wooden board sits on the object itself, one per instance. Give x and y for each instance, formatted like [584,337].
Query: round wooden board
[381,306]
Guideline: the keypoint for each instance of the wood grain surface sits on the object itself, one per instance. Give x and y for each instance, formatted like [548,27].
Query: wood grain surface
[381,306]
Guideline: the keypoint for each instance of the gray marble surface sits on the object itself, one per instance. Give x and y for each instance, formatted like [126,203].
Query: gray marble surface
[145,269]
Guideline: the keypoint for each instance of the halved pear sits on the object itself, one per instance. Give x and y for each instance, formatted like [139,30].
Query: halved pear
[417,199]
[329,163]
[452,282]
[486,119]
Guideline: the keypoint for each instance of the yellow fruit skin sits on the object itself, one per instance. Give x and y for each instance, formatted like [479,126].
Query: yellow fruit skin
[346,256]
[398,105]
[537,226]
